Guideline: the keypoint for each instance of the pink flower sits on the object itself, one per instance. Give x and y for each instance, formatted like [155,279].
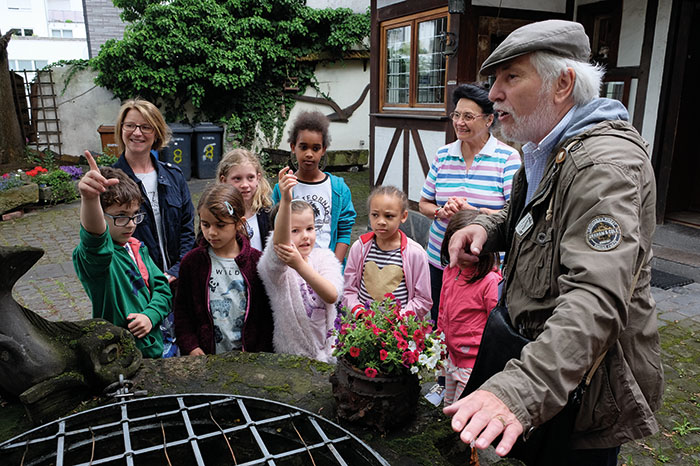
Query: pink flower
[409,358]
[418,336]
[383,354]
[371,373]
[354,351]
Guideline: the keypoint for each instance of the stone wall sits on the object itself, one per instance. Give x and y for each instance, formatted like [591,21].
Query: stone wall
[102,22]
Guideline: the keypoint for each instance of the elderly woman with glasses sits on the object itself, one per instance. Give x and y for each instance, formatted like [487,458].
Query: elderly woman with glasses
[168,227]
[473,173]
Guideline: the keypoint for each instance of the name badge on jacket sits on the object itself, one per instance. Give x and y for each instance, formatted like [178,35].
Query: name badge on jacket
[524,224]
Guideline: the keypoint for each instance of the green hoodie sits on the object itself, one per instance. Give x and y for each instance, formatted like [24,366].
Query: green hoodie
[116,288]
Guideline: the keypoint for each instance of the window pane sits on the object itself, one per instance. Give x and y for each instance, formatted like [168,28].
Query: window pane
[55,33]
[67,33]
[431,61]
[40,64]
[614,90]
[398,66]
[28,32]
[25,65]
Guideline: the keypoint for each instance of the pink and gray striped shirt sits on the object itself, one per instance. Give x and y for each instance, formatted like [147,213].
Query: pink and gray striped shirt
[486,185]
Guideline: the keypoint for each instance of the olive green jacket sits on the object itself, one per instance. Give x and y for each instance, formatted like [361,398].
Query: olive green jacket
[569,274]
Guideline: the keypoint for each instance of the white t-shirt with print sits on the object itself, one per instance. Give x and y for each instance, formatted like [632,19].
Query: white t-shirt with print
[320,195]
[150,184]
[228,299]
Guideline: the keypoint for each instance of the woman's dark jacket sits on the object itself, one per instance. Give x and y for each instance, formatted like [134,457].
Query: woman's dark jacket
[194,326]
[177,215]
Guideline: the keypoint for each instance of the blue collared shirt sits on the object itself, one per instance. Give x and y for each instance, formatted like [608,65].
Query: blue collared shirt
[535,155]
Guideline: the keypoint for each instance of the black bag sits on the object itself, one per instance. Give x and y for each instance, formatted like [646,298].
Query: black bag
[548,444]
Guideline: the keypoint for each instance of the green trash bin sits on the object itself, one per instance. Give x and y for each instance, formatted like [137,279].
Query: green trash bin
[179,150]
[207,149]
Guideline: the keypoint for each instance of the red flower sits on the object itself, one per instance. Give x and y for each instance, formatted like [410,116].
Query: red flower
[344,329]
[418,336]
[371,373]
[404,330]
[354,351]
[32,172]
[402,345]
[383,354]
[409,358]
[390,296]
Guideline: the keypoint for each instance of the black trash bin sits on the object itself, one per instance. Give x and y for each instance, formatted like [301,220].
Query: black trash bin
[179,150]
[207,149]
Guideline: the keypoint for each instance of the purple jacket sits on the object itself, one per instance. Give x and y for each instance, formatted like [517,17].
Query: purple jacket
[194,326]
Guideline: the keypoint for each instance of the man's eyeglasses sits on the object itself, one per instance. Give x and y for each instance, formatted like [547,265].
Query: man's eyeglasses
[123,220]
[131,127]
[456,116]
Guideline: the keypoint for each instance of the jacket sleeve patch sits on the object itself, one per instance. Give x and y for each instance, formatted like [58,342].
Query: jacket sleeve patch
[603,233]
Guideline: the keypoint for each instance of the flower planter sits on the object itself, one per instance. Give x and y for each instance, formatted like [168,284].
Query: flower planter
[382,402]
[19,196]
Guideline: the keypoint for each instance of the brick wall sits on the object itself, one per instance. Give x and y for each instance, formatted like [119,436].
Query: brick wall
[102,22]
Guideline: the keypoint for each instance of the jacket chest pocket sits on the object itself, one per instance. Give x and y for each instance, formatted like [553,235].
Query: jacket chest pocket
[534,263]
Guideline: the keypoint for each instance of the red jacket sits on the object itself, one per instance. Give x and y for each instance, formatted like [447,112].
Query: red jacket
[194,326]
[464,308]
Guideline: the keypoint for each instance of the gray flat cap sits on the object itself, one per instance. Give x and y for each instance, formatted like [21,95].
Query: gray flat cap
[565,38]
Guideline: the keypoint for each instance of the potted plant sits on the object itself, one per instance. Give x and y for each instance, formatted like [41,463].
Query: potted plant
[381,350]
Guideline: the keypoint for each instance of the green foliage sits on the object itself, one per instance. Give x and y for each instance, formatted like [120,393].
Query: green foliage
[46,158]
[229,58]
[61,184]
[684,428]
[106,160]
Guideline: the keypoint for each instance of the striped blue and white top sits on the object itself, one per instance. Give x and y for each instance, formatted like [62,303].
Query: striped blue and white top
[486,185]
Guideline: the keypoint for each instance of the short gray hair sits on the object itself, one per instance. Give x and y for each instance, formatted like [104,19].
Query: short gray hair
[589,77]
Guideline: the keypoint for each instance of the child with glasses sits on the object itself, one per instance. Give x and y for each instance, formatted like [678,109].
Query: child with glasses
[123,283]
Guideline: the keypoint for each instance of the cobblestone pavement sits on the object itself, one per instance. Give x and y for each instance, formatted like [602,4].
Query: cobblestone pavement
[52,289]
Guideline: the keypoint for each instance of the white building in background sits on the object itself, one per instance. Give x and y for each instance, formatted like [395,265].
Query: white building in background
[46,31]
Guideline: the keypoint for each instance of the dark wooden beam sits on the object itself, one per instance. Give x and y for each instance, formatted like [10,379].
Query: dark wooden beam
[645,64]
[389,155]
[408,7]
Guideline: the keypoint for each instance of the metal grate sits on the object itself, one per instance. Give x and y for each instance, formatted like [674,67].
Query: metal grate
[188,430]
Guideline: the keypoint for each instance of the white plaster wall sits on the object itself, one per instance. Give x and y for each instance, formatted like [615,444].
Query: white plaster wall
[656,70]
[51,50]
[394,175]
[432,141]
[82,108]
[344,83]
[358,6]
[556,6]
[631,33]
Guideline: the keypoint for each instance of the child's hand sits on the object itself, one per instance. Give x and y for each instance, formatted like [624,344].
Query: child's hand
[93,183]
[140,324]
[287,181]
[197,352]
[289,254]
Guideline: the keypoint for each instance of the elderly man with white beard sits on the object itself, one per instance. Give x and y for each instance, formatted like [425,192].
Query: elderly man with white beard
[578,231]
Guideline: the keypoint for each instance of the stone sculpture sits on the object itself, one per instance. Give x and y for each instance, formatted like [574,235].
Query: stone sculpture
[52,366]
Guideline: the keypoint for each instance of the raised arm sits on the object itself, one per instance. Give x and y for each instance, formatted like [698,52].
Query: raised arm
[283,222]
[91,186]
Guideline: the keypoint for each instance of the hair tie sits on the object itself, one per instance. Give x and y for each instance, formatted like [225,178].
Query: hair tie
[229,207]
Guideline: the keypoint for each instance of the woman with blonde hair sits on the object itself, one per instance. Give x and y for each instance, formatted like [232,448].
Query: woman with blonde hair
[242,169]
[168,228]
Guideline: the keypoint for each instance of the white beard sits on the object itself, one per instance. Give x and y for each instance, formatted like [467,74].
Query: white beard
[535,125]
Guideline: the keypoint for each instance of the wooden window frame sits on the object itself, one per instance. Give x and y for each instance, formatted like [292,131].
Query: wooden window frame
[412,106]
